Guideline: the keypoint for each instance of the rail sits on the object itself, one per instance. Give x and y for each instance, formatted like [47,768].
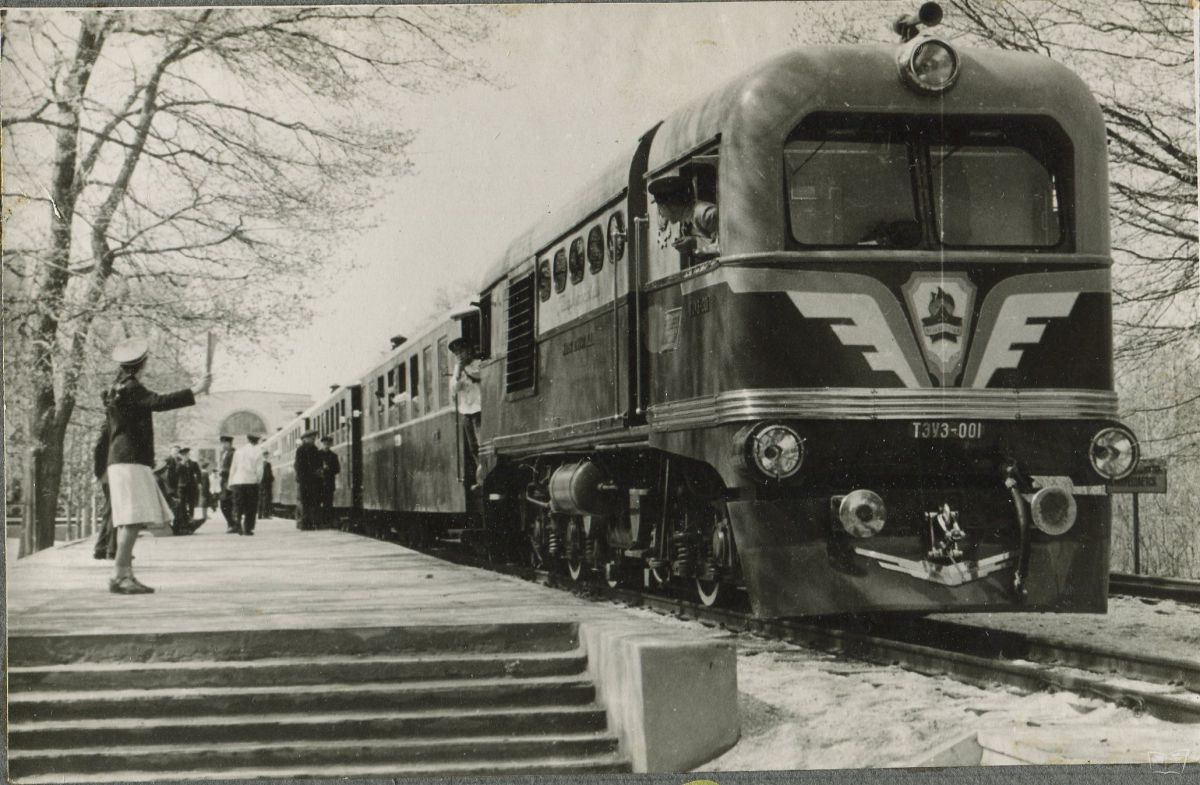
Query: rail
[1179,589]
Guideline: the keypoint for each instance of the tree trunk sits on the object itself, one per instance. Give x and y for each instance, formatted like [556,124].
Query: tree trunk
[45,461]
[48,416]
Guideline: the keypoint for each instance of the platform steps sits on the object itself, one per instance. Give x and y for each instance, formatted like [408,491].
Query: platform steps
[395,702]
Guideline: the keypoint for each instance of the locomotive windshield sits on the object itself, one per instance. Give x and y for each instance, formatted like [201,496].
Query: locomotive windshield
[904,182]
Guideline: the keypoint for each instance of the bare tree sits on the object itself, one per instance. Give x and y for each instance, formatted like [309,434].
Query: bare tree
[185,169]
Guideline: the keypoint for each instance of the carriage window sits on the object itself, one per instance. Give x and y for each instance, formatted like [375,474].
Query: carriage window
[560,271]
[595,250]
[576,262]
[401,394]
[993,196]
[443,358]
[414,384]
[427,386]
[850,192]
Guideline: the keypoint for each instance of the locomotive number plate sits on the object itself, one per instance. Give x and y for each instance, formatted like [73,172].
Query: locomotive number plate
[933,429]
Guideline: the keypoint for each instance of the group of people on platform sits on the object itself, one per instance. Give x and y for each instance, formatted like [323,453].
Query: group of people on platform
[316,470]
[185,486]
[137,495]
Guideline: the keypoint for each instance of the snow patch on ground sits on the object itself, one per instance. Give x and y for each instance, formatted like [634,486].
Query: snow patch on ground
[804,709]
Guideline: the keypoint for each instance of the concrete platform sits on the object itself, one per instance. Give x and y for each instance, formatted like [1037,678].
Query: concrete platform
[278,579]
[648,676]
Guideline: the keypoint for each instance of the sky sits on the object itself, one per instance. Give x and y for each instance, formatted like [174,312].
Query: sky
[578,85]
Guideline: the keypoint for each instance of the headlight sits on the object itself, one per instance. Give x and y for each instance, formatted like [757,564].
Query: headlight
[928,64]
[776,450]
[862,513]
[1114,453]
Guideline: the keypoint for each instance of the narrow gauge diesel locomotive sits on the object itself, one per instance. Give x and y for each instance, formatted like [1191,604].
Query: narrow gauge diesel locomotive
[838,333]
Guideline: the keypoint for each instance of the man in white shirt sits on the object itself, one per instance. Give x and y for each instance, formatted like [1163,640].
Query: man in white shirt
[245,473]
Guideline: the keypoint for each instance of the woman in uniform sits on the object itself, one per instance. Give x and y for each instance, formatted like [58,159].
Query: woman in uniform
[136,499]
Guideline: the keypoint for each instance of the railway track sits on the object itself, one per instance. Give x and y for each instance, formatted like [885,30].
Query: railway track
[1177,589]
[1167,689]
[1161,687]
[1164,688]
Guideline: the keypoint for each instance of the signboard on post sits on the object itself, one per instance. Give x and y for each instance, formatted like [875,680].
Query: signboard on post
[1149,477]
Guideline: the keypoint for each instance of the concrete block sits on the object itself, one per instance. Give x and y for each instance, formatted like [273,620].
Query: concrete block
[671,699]
[1158,745]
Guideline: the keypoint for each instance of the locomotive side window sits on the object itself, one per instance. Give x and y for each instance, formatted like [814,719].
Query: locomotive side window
[616,237]
[595,250]
[543,275]
[575,264]
[560,271]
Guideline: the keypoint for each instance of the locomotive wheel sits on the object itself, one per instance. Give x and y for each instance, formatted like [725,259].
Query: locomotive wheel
[717,549]
[709,592]
[576,556]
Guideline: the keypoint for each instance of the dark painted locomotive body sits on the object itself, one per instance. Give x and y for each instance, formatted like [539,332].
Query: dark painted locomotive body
[880,387]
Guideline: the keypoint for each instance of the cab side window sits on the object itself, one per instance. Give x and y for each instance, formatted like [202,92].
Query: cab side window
[685,215]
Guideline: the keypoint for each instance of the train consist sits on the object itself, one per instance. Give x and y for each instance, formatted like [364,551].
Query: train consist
[837,334]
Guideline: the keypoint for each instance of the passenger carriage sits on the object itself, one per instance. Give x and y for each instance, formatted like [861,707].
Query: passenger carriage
[414,472]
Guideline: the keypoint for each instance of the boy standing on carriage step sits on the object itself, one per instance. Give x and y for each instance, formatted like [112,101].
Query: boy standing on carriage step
[466,374]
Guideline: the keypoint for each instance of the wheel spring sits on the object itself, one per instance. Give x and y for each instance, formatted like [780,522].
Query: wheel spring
[553,541]
[684,548]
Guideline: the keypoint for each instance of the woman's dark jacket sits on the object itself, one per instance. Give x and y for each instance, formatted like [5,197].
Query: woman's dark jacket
[130,424]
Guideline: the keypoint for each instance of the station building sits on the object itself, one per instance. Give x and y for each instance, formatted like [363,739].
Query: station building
[227,413]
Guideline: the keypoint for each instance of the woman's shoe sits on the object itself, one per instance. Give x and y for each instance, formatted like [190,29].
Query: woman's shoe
[128,586]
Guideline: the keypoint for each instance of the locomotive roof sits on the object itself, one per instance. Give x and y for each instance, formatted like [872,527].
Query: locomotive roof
[774,96]
[753,114]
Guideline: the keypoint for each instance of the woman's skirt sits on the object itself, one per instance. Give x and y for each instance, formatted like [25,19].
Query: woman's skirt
[135,496]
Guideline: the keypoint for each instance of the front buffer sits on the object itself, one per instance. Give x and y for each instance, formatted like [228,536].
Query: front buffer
[793,568]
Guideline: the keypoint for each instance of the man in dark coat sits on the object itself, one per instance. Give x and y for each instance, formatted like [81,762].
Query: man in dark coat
[189,489]
[330,468]
[106,536]
[266,487]
[169,475]
[224,460]
[307,468]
